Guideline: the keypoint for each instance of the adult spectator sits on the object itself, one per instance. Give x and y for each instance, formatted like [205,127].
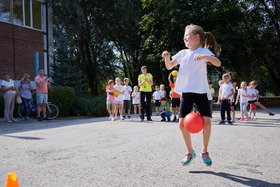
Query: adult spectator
[9,89]
[145,82]
[25,88]
[42,83]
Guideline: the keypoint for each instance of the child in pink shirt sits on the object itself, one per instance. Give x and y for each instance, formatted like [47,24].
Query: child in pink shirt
[110,99]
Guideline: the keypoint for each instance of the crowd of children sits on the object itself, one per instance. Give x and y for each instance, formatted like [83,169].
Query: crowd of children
[119,100]
[230,95]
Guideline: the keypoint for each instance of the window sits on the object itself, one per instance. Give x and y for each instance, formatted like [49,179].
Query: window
[5,11]
[17,12]
[27,13]
[36,14]
[22,12]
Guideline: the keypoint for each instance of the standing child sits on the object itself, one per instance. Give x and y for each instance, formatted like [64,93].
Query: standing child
[110,99]
[253,95]
[119,99]
[156,98]
[221,82]
[233,99]
[175,97]
[226,92]
[164,109]
[210,96]
[126,98]
[162,91]
[242,94]
[192,82]
[136,100]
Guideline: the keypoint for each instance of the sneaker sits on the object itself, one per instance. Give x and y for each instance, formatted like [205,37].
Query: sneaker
[247,119]
[169,120]
[113,119]
[255,117]
[14,120]
[149,119]
[110,118]
[142,119]
[45,118]
[174,120]
[229,122]
[39,118]
[187,161]
[222,122]
[128,117]
[241,119]
[271,114]
[27,118]
[163,120]
[122,118]
[9,121]
[233,121]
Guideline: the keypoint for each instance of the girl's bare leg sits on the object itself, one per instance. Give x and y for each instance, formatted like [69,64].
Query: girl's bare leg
[139,110]
[135,110]
[186,135]
[120,109]
[263,107]
[109,109]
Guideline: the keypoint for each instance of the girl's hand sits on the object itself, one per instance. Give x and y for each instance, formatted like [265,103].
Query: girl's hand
[165,54]
[200,57]
[236,103]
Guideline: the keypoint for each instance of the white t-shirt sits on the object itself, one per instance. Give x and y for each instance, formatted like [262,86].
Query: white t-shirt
[136,100]
[157,95]
[226,90]
[162,93]
[126,95]
[120,89]
[252,91]
[192,75]
[242,95]
[8,85]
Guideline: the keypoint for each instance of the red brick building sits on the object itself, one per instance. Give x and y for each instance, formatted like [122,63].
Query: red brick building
[25,27]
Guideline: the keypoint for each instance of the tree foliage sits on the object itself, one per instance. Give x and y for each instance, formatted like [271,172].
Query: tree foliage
[116,37]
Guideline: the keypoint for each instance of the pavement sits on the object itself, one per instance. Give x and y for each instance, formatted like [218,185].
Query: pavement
[98,152]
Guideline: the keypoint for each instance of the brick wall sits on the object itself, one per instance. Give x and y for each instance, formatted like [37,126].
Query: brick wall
[17,51]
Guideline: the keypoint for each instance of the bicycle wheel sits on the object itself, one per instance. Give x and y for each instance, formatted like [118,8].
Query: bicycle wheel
[21,111]
[52,111]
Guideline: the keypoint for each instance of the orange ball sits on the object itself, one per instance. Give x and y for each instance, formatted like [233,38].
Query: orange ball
[116,93]
[193,122]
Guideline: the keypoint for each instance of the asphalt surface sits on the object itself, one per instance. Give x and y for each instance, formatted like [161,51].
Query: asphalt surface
[98,152]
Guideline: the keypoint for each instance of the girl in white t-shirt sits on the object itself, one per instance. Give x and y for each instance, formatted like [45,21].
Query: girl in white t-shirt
[193,84]
[242,94]
[254,96]
[119,99]
[136,100]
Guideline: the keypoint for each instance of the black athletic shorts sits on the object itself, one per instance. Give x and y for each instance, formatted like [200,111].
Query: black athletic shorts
[157,103]
[175,102]
[252,101]
[201,100]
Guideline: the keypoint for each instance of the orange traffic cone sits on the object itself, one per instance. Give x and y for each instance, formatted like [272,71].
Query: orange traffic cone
[12,180]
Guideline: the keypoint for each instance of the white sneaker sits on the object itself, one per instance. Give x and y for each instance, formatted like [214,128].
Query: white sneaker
[121,118]
[9,121]
[110,117]
[255,117]
[13,119]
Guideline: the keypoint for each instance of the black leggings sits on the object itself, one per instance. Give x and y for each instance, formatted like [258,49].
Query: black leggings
[146,105]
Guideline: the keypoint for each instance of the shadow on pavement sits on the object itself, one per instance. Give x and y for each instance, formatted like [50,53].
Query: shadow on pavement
[24,137]
[240,179]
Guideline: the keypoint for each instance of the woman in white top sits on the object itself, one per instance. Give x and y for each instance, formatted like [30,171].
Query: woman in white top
[192,82]
[9,89]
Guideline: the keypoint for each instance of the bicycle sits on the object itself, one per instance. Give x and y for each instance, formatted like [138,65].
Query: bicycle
[51,110]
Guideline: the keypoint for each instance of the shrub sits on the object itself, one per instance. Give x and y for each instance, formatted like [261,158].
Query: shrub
[91,106]
[64,98]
